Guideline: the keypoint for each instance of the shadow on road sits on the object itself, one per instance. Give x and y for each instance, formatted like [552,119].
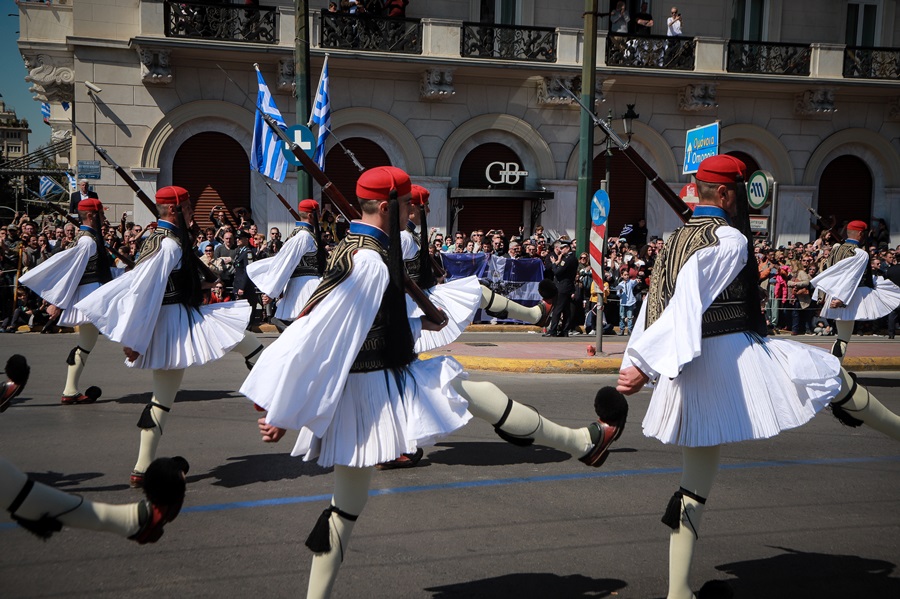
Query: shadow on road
[184,395]
[530,585]
[268,467]
[65,482]
[795,574]
[493,454]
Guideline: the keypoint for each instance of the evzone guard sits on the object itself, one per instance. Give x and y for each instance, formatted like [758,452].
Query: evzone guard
[293,273]
[66,278]
[458,299]
[852,292]
[346,375]
[43,510]
[723,381]
[155,311]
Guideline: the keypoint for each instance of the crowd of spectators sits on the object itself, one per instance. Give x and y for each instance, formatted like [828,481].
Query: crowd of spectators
[228,245]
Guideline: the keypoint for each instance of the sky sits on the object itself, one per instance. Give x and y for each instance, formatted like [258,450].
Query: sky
[12,77]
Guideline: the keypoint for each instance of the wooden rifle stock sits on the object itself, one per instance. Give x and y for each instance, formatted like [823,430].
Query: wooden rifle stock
[350,212]
[207,273]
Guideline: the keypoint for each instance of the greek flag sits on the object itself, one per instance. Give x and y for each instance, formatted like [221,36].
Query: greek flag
[321,116]
[265,153]
[73,182]
[48,186]
[45,112]
[516,279]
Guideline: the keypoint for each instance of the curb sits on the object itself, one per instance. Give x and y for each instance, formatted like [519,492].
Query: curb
[612,365]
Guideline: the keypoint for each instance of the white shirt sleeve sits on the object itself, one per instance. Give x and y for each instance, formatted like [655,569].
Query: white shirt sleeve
[842,279]
[663,348]
[57,278]
[271,275]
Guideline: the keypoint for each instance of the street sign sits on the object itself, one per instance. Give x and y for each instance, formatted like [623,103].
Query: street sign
[759,189]
[304,138]
[599,216]
[700,144]
[759,223]
[600,208]
[88,169]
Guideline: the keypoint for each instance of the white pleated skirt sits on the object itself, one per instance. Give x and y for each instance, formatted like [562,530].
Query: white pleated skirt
[867,303]
[72,317]
[184,338]
[385,413]
[459,300]
[296,293]
[741,389]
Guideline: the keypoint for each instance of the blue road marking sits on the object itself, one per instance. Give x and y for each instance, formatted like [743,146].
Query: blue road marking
[221,507]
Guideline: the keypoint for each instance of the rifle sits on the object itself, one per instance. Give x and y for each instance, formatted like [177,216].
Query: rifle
[349,211]
[207,273]
[676,203]
[125,259]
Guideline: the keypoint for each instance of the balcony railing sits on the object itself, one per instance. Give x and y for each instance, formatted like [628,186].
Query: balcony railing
[872,63]
[207,21]
[370,33]
[650,52]
[508,42]
[769,58]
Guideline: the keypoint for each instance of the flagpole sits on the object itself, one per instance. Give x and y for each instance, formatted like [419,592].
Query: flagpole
[301,83]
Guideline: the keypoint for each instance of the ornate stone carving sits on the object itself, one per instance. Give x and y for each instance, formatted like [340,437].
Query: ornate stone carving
[696,97]
[155,67]
[814,101]
[58,135]
[437,84]
[52,77]
[552,90]
[286,82]
[894,110]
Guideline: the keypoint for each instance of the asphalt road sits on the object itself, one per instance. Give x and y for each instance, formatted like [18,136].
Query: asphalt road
[812,513]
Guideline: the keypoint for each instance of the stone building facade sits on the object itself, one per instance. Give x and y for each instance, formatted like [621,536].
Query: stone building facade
[467,96]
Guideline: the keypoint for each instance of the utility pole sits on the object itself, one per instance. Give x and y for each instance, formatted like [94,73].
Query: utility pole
[301,84]
[586,139]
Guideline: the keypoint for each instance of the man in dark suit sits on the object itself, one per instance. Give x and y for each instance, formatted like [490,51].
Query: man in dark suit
[565,268]
[82,193]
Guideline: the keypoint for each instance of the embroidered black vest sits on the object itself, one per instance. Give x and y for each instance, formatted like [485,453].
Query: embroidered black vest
[151,246]
[728,311]
[91,271]
[371,355]
[309,262]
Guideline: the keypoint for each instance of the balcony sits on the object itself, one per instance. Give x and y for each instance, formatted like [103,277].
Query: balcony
[650,52]
[769,58]
[199,20]
[872,63]
[370,33]
[508,42]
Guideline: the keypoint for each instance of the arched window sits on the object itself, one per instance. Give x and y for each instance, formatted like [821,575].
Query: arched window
[489,212]
[222,179]
[845,190]
[627,191]
[344,173]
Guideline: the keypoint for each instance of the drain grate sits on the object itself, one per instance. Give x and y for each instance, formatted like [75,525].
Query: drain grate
[482,344]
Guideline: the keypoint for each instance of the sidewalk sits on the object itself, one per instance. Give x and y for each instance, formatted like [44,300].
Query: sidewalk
[570,355]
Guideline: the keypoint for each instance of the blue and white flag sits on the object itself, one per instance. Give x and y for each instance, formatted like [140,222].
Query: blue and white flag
[73,182]
[45,112]
[48,186]
[516,279]
[265,153]
[321,116]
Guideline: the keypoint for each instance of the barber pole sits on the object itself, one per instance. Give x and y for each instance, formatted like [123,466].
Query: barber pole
[599,216]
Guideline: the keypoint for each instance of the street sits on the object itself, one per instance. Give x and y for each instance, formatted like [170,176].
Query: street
[814,512]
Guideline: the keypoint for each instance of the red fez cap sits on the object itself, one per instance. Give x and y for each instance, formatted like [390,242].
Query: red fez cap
[721,168]
[309,206]
[378,183]
[90,205]
[856,225]
[172,195]
[420,195]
